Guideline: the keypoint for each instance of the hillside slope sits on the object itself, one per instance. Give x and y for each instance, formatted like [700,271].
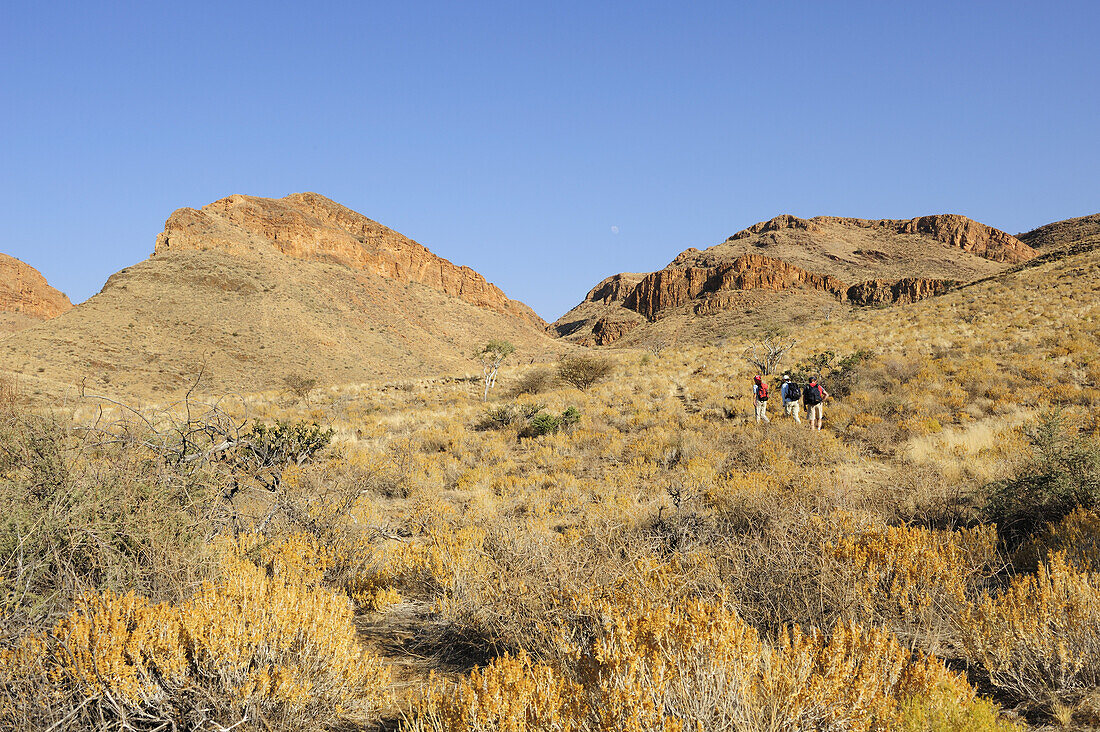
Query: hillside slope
[266,291]
[1063,233]
[790,271]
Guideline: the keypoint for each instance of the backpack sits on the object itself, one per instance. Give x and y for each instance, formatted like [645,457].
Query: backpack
[762,392]
[794,391]
[812,394]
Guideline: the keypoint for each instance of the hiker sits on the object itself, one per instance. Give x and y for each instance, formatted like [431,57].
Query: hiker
[760,398]
[815,395]
[791,395]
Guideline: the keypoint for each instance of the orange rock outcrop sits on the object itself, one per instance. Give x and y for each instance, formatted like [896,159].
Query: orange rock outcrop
[613,289]
[674,286]
[310,226]
[24,290]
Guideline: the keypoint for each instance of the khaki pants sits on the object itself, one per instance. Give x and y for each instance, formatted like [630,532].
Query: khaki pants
[793,408]
[762,411]
[816,414]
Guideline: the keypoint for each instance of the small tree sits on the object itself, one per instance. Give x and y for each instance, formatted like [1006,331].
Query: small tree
[491,356]
[767,353]
[584,371]
[299,384]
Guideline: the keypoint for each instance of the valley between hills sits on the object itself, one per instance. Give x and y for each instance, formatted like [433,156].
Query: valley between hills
[253,484]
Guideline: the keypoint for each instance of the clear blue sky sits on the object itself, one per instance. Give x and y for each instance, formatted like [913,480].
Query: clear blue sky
[513,136]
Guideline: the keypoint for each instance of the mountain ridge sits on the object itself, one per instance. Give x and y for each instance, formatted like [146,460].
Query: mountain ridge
[851,261]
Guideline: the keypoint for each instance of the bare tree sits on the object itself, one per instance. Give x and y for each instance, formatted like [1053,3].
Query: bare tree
[767,353]
[491,356]
[659,341]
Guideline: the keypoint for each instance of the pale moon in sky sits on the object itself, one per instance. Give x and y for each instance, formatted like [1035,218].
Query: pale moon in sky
[614,229]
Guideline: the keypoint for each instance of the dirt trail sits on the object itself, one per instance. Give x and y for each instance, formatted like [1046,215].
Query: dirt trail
[407,637]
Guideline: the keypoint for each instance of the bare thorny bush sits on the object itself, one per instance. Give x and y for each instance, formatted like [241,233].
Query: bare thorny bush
[82,513]
[122,539]
[767,353]
[133,500]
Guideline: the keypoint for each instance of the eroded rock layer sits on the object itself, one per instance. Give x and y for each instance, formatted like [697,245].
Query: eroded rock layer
[675,286]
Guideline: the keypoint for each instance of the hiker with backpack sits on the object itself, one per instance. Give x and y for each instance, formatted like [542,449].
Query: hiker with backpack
[791,394]
[815,395]
[760,398]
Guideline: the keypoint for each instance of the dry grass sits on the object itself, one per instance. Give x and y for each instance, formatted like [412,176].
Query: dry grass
[665,545]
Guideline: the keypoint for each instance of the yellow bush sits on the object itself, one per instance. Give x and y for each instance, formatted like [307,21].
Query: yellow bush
[950,707]
[1077,536]
[249,647]
[855,679]
[1040,639]
[696,665]
[914,580]
[513,694]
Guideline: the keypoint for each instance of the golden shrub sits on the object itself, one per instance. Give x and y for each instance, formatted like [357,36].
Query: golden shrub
[250,646]
[915,580]
[696,665]
[1077,536]
[854,679]
[513,694]
[1039,640]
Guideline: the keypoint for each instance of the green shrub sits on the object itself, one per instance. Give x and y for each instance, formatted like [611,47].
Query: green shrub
[837,374]
[1063,473]
[547,423]
[543,423]
[507,415]
[570,417]
[266,450]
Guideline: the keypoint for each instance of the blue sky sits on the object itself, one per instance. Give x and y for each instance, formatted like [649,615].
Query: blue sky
[546,145]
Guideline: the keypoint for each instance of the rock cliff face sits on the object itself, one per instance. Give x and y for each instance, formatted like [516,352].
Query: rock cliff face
[675,286]
[886,292]
[780,269]
[310,226]
[605,332]
[24,290]
[614,288]
[672,287]
[951,229]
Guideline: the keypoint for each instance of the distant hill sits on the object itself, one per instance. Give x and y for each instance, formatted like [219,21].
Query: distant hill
[260,289]
[788,271]
[26,298]
[1063,233]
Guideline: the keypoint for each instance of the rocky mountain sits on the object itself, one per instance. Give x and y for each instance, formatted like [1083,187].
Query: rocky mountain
[255,290]
[25,297]
[788,269]
[310,226]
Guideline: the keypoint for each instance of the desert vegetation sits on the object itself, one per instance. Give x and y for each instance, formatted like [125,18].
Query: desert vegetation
[630,553]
